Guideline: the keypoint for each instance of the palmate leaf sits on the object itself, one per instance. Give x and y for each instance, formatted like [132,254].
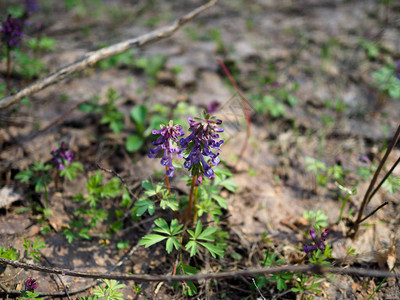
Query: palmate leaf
[143,205]
[192,246]
[171,231]
[151,239]
[214,250]
[172,242]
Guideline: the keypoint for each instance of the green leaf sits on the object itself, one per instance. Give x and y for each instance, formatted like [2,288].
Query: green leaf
[126,199]
[206,234]
[24,176]
[116,126]
[147,185]
[214,250]
[172,242]
[139,114]
[169,202]
[162,226]
[144,205]
[192,246]
[134,143]
[151,239]
[221,201]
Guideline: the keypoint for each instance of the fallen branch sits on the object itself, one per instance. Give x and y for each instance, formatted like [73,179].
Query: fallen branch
[91,58]
[317,269]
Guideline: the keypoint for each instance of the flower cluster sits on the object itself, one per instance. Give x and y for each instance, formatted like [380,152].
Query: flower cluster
[198,145]
[31,285]
[31,6]
[12,32]
[62,156]
[168,142]
[318,243]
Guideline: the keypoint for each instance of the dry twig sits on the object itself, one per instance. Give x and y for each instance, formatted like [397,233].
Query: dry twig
[92,58]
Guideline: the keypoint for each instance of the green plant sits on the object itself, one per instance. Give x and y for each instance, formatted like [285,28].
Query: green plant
[387,82]
[317,219]
[349,193]
[9,253]
[32,248]
[135,141]
[108,111]
[42,43]
[151,66]
[30,295]
[121,60]
[371,48]
[269,104]
[38,176]
[91,212]
[111,291]
[281,279]
[28,67]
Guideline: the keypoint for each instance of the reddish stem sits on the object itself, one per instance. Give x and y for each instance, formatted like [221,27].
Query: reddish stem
[167,179]
[189,213]
[245,107]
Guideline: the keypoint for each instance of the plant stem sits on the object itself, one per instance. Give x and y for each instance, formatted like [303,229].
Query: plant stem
[245,107]
[189,213]
[167,179]
[196,188]
[46,196]
[367,197]
[8,68]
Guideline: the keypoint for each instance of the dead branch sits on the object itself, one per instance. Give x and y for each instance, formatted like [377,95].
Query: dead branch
[91,58]
[318,269]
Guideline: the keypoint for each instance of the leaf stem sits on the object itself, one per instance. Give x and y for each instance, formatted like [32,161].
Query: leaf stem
[196,188]
[167,179]
[189,212]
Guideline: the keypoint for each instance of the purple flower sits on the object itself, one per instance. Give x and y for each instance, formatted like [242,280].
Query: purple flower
[271,86]
[213,106]
[168,142]
[31,6]
[12,32]
[397,70]
[198,145]
[318,243]
[62,156]
[31,285]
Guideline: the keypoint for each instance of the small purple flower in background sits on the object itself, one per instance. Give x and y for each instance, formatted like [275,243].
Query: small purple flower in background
[364,159]
[397,70]
[12,32]
[213,106]
[198,145]
[62,156]
[271,86]
[168,142]
[318,243]
[31,285]
[31,6]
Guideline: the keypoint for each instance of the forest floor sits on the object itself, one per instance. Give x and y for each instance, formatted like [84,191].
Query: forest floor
[306,72]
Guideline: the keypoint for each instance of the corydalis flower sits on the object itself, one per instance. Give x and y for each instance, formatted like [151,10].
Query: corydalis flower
[12,32]
[31,285]
[62,156]
[31,6]
[203,138]
[213,106]
[167,142]
[318,243]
